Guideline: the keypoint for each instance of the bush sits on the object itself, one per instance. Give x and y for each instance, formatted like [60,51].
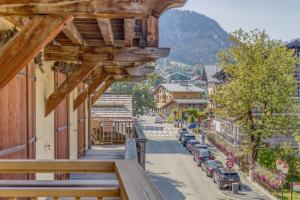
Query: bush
[267,158]
[171,118]
[191,119]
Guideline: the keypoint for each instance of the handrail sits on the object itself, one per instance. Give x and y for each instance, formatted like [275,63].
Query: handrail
[130,149]
[132,182]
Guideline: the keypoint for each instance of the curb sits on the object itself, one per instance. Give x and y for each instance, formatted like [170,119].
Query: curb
[225,196]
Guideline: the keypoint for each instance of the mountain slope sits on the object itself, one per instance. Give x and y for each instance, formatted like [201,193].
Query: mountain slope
[192,37]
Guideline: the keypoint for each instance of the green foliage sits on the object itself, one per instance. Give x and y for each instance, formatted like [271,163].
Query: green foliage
[141,92]
[267,158]
[171,118]
[261,84]
[191,119]
[291,156]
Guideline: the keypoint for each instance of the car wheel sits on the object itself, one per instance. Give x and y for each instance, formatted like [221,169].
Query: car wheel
[207,174]
[194,158]
[214,179]
[240,187]
[220,186]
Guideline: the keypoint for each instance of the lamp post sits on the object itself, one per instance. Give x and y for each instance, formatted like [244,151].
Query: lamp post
[283,169]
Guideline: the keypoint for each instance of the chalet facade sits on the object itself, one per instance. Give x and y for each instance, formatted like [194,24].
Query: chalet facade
[56,60]
[175,96]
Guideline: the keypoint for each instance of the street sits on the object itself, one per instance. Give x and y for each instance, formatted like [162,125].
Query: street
[174,172]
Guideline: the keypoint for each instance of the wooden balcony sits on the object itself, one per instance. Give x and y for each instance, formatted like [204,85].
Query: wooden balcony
[132,182]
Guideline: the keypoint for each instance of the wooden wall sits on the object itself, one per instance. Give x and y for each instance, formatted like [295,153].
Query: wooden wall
[17,119]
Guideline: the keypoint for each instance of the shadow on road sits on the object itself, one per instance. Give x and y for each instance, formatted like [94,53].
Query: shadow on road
[167,186]
[165,147]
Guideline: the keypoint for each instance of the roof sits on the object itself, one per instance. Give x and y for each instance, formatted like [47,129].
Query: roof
[176,87]
[178,74]
[190,101]
[116,106]
[210,71]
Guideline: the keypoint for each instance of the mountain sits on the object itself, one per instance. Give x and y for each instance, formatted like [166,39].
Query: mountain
[192,37]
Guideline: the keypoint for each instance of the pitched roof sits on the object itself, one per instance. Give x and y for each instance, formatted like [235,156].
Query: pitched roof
[176,87]
[183,76]
[115,106]
[210,71]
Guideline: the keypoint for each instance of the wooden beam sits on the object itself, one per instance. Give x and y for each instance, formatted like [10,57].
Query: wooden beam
[73,34]
[116,70]
[102,89]
[129,25]
[102,54]
[67,86]
[78,8]
[91,88]
[153,34]
[106,31]
[28,42]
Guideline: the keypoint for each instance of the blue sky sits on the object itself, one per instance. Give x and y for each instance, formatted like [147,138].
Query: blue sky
[280,18]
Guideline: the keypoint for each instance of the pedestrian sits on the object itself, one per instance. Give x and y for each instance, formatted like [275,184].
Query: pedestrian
[203,136]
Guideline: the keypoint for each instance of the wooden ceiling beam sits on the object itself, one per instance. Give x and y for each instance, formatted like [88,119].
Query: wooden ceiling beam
[129,25]
[73,34]
[78,8]
[102,54]
[88,91]
[104,86]
[106,31]
[28,42]
[68,86]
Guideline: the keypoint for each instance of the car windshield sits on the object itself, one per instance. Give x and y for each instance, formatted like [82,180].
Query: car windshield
[190,137]
[203,152]
[194,142]
[214,164]
[201,146]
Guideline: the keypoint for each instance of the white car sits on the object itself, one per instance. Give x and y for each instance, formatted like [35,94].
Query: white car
[158,120]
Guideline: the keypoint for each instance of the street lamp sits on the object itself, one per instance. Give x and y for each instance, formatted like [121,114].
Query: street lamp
[283,169]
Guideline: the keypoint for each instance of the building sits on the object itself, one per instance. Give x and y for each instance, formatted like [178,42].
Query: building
[63,58]
[177,77]
[295,44]
[224,128]
[179,97]
[112,118]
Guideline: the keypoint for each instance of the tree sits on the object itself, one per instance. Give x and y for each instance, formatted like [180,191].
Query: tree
[258,95]
[141,93]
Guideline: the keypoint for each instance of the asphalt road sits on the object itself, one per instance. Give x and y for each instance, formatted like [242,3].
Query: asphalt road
[174,172]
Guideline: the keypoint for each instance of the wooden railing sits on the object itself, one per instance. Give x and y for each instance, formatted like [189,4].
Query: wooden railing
[132,182]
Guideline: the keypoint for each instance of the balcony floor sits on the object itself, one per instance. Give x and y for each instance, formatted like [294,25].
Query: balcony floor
[101,152]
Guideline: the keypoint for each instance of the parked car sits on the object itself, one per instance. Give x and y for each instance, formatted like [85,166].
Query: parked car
[190,144]
[202,155]
[181,132]
[198,146]
[158,120]
[209,166]
[225,177]
[186,137]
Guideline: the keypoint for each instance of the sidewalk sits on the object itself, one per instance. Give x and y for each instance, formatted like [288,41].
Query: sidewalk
[250,190]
